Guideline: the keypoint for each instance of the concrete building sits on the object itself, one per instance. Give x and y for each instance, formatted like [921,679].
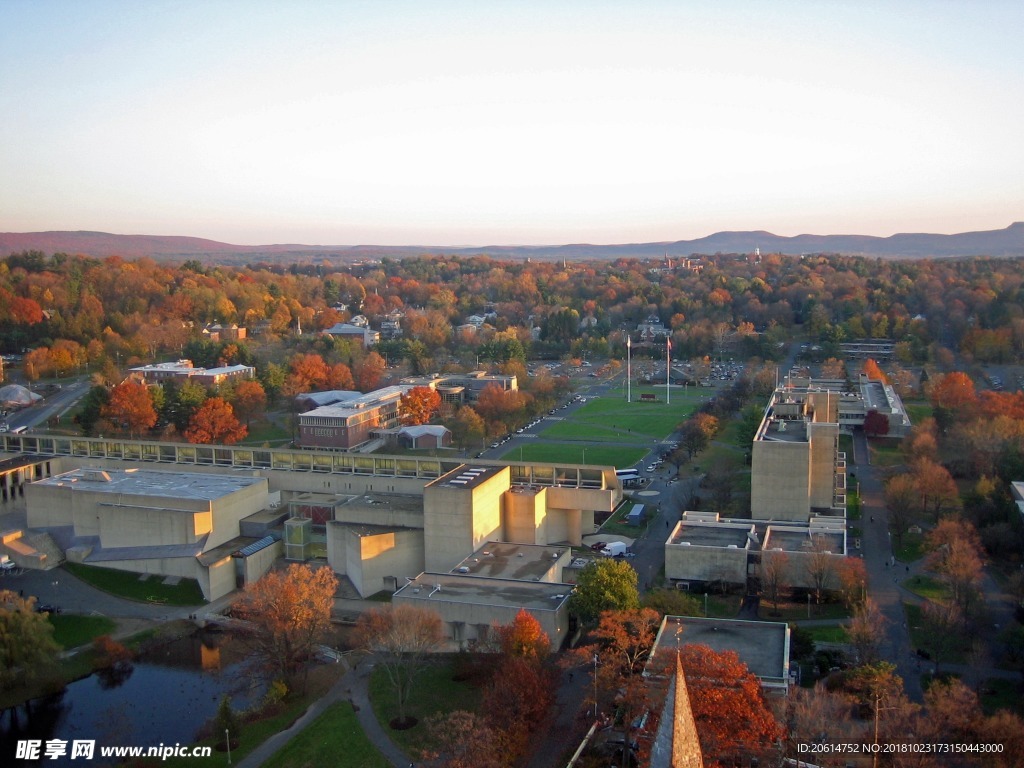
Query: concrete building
[855,400]
[471,605]
[814,553]
[424,436]
[706,551]
[762,645]
[172,524]
[797,469]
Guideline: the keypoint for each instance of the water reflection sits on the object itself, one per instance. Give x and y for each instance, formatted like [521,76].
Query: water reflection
[164,696]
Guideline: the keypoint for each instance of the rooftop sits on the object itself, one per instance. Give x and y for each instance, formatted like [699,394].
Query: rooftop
[711,534]
[800,539]
[357,404]
[393,501]
[762,645]
[149,482]
[525,562]
[466,476]
[502,593]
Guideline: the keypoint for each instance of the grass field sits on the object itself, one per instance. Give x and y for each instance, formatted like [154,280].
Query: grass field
[927,587]
[434,692]
[920,639]
[798,611]
[918,411]
[126,584]
[335,738]
[885,452]
[601,455]
[72,631]
[1002,694]
[833,634]
[911,549]
[265,432]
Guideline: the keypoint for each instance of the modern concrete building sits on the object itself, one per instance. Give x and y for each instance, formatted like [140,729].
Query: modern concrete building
[814,553]
[171,524]
[706,551]
[797,469]
[471,605]
[424,436]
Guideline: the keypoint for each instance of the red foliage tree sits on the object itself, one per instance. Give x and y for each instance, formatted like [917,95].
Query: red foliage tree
[728,705]
[953,391]
[215,422]
[130,407]
[873,372]
[368,372]
[249,399]
[418,406]
[876,424]
[523,638]
[340,377]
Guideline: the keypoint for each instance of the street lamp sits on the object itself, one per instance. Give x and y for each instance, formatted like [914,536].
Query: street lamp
[595,686]
[705,605]
[227,741]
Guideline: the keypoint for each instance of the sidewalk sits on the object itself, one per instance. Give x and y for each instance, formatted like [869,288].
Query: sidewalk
[354,687]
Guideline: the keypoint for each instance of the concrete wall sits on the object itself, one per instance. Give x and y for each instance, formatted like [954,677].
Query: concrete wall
[229,510]
[525,518]
[800,565]
[780,481]
[219,579]
[133,526]
[822,470]
[260,562]
[464,622]
[458,520]
[386,559]
[697,563]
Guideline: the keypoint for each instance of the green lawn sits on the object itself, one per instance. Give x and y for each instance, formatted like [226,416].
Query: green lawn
[919,639]
[912,548]
[798,612]
[653,420]
[833,634]
[617,522]
[126,584]
[72,631]
[846,446]
[578,430]
[918,411]
[1002,694]
[927,587]
[434,692]
[885,452]
[335,738]
[600,455]
[266,432]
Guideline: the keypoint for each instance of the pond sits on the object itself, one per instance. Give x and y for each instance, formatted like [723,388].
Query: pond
[165,697]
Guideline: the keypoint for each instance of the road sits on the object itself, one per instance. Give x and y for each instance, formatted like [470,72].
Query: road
[54,405]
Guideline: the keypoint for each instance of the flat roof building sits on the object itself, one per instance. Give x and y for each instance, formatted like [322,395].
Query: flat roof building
[471,605]
[184,524]
[709,552]
[762,645]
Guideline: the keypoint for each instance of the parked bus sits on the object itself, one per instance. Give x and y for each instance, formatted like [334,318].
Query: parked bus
[628,477]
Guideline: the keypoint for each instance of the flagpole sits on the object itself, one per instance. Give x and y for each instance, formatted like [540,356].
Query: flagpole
[629,368]
[668,370]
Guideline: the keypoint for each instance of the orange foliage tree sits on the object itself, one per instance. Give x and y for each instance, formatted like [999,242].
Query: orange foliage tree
[130,407]
[728,705]
[369,371]
[289,612]
[215,422]
[249,399]
[953,391]
[418,405]
[873,372]
[524,637]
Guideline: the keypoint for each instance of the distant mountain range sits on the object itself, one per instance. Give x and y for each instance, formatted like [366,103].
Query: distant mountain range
[1007,242]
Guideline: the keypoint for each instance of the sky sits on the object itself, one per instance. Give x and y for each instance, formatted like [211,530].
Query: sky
[509,123]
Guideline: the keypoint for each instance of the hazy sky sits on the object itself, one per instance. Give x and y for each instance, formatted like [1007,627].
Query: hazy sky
[450,123]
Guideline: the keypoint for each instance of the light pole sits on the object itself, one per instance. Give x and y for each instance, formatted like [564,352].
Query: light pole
[808,605]
[705,605]
[595,686]
[227,741]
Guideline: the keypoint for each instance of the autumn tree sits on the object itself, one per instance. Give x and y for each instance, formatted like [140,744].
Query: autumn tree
[402,637]
[901,499]
[671,602]
[833,368]
[942,629]
[523,638]
[498,406]
[369,371]
[956,557]
[467,427]
[130,407]
[215,422]
[853,578]
[873,372]
[876,424]
[307,373]
[605,584]
[866,631]
[91,410]
[27,647]
[821,566]
[248,400]
[733,720]
[816,713]
[698,432]
[418,406]
[774,576]
[463,739]
[289,613]
[936,490]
